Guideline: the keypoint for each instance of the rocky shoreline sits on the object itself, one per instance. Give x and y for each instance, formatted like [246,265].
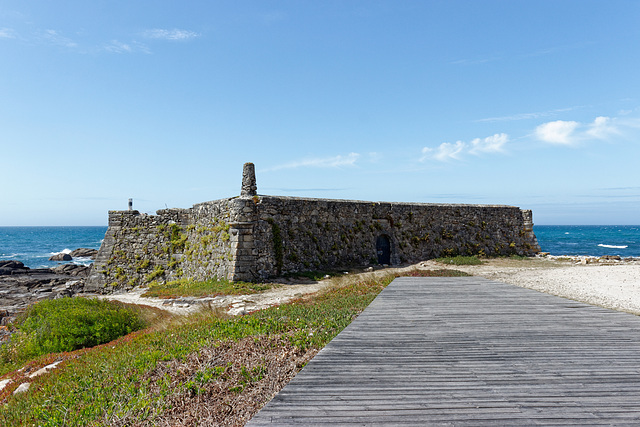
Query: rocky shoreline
[21,286]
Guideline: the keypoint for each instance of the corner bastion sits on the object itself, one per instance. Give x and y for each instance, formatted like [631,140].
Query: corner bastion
[256,237]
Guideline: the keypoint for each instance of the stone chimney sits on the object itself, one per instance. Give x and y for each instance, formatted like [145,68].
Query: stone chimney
[249,187]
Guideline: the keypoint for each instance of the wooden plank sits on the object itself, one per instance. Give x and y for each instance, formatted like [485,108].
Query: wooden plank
[469,351]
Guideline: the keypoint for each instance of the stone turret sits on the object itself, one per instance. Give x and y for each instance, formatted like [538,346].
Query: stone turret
[249,187]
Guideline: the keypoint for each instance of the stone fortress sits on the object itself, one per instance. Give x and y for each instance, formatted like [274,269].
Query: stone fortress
[254,237]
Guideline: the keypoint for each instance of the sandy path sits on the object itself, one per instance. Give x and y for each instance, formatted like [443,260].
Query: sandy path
[235,304]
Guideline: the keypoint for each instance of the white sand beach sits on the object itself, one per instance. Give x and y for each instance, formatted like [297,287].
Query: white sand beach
[609,284]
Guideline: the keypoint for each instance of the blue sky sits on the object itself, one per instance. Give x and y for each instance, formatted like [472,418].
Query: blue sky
[528,103]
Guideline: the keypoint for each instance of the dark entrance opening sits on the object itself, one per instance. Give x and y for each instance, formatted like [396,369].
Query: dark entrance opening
[383,249]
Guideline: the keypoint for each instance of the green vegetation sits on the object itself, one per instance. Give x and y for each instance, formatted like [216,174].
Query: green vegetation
[68,324]
[145,377]
[460,260]
[278,248]
[211,287]
[157,272]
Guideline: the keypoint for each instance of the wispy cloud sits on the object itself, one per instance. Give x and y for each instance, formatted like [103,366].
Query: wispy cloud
[490,144]
[456,151]
[116,46]
[511,56]
[7,33]
[526,116]
[54,37]
[571,132]
[319,162]
[475,61]
[174,34]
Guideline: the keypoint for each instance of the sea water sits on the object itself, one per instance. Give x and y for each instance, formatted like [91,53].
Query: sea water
[593,240]
[34,245]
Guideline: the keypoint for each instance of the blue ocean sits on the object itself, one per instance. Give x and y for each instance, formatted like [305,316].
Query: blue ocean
[593,240]
[34,245]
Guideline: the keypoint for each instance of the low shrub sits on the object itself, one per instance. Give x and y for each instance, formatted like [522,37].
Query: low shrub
[67,324]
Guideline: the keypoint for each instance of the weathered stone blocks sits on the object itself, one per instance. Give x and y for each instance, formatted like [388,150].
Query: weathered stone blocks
[255,237]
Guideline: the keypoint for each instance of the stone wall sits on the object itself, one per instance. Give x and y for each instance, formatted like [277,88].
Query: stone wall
[139,249]
[297,234]
[254,237]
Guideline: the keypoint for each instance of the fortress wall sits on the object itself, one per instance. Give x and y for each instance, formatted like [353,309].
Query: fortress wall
[254,237]
[324,234]
[139,249]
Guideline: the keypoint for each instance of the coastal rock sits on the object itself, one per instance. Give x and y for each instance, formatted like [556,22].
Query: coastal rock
[10,264]
[18,291]
[45,369]
[68,289]
[72,270]
[4,383]
[61,257]
[12,267]
[22,388]
[84,253]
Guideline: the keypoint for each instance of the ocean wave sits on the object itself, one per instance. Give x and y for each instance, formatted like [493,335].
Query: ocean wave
[613,246]
[3,256]
[64,251]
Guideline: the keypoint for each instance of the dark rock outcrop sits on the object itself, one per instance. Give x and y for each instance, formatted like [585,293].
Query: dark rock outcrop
[74,270]
[61,257]
[84,253]
[12,267]
[21,286]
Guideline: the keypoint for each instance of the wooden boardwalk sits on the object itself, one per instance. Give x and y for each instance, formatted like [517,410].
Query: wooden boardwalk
[469,351]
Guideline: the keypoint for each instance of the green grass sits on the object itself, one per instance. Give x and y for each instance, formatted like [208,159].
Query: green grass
[212,287]
[460,260]
[68,324]
[118,383]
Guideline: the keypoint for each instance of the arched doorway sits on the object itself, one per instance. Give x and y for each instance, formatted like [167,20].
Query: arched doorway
[383,249]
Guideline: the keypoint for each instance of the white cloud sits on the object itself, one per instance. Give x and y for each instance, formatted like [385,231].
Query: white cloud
[558,132]
[490,144]
[447,150]
[602,128]
[321,162]
[174,34]
[7,33]
[571,132]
